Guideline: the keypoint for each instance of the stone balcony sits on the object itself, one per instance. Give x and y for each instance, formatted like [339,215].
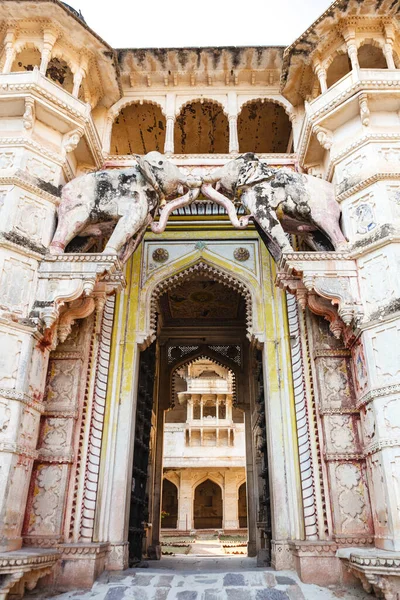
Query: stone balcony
[363,80]
[35,83]
[346,99]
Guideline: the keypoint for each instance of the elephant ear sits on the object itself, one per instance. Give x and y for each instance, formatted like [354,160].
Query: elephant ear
[254,172]
[148,174]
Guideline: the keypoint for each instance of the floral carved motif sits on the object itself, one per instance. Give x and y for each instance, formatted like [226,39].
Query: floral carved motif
[46,500]
[341,432]
[241,254]
[62,381]
[351,500]
[160,255]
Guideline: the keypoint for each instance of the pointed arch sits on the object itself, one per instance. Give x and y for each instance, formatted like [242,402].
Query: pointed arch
[242,281]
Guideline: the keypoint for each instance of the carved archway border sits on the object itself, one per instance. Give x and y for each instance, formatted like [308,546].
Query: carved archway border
[192,272]
[200,100]
[285,104]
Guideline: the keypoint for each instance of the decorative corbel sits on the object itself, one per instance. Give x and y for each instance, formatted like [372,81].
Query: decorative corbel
[29,115]
[78,309]
[72,139]
[337,290]
[324,136]
[323,307]
[330,275]
[364,109]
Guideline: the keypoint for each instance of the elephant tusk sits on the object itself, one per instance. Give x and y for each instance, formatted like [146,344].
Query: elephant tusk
[222,200]
[171,206]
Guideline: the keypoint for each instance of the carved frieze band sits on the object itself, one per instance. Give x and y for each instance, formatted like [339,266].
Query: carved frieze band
[97,423]
[387,390]
[302,423]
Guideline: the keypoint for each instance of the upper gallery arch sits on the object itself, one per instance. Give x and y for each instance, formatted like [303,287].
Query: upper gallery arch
[138,127]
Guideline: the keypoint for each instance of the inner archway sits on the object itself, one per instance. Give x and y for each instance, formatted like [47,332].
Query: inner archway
[207,507]
[242,504]
[169,511]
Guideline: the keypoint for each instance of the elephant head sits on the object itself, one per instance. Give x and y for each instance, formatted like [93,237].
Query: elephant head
[164,176]
[243,171]
[169,181]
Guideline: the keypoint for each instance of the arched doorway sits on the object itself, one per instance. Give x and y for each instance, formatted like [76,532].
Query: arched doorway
[169,506]
[231,333]
[207,508]
[242,506]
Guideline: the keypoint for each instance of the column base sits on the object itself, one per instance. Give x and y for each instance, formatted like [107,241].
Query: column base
[316,562]
[281,555]
[378,570]
[118,556]
[80,565]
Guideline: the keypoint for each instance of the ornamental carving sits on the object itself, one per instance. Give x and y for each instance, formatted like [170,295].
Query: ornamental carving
[341,432]
[63,381]
[241,254]
[46,501]
[160,255]
[351,500]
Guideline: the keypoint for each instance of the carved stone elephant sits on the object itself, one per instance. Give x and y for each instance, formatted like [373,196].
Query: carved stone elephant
[279,201]
[122,202]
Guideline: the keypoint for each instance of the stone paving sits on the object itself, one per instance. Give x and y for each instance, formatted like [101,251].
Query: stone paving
[190,578]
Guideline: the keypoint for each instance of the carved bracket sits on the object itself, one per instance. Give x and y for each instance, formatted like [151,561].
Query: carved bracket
[325,282]
[64,278]
[324,136]
[378,570]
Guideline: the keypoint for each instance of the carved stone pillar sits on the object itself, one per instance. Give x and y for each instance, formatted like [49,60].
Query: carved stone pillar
[21,404]
[49,39]
[169,135]
[44,520]
[233,135]
[230,503]
[350,39]
[320,72]
[79,74]
[388,46]
[9,49]
[185,508]
[376,359]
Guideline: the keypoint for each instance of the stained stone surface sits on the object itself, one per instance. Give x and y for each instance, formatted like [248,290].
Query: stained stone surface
[190,578]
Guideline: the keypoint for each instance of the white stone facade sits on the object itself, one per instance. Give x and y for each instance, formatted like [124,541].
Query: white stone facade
[319,332]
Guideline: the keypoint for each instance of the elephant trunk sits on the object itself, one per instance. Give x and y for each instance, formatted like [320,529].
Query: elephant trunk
[222,200]
[171,206]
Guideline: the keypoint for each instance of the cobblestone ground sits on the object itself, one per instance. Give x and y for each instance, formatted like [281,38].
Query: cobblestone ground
[191,578]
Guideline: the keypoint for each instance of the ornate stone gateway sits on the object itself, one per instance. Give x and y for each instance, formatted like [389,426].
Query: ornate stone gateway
[281,266]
